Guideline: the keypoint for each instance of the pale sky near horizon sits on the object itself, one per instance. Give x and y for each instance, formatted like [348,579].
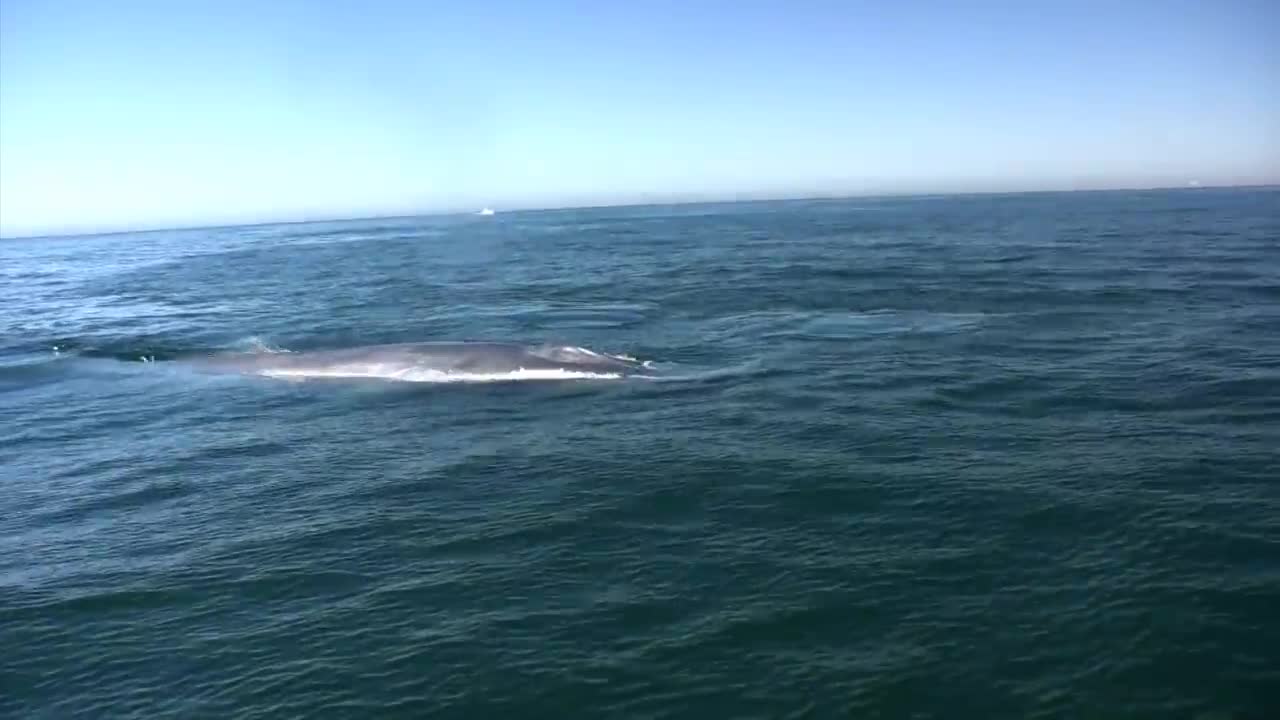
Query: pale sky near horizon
[148,114]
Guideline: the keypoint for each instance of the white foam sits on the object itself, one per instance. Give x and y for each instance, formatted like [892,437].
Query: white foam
[420,375]
[256,344]
[566,351]
[574,353]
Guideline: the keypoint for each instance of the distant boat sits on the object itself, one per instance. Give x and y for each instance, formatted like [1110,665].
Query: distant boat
[486,211]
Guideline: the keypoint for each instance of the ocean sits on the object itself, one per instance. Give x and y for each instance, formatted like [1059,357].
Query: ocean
[985,456]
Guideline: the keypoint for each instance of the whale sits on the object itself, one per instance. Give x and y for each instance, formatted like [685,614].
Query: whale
[430,362]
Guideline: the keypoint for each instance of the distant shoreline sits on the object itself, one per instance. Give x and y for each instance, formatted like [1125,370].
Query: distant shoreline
[638,204]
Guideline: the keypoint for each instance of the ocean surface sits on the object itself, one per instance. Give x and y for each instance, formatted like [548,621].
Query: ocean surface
[934,457]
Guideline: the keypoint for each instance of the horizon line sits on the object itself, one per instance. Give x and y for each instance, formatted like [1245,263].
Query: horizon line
[626,204]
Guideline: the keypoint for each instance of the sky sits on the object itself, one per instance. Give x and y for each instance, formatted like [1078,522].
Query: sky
[128,114]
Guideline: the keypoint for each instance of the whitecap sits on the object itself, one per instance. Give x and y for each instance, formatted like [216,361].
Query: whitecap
[420,375]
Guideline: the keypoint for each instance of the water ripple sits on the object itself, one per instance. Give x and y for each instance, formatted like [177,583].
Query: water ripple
[995,456]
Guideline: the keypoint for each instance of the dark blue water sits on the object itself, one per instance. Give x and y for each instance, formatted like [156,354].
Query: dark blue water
[945,457]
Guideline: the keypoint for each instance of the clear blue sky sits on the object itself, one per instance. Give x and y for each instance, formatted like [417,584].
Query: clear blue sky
[137,114]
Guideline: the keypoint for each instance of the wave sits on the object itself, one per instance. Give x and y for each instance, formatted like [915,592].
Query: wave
[137,349]
[667,374]
[256,344]
[165,351]
[435,376]
[575,353]
[416,375]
